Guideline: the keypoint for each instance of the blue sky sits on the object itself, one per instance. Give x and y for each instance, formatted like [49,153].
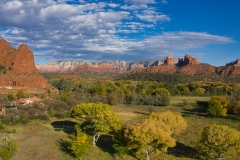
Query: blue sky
[98,30]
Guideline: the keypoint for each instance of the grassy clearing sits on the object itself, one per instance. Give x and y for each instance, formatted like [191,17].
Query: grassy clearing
[177,99]
[39,139]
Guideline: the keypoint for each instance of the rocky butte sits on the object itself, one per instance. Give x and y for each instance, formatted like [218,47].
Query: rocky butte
[17,67]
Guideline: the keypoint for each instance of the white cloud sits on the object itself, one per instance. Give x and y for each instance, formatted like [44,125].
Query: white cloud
[113,5]
[141,1]
[94,30]
[164,1]
[152,16]
[134,7]
[13,5]
[59,11]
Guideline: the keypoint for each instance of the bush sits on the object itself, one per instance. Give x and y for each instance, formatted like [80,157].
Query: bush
[216,109]
[8,148]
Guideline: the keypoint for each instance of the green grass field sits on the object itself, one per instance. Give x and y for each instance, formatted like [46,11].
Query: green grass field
[39,140]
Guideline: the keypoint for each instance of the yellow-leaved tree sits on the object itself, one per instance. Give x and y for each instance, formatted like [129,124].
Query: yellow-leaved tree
[219,141]
[155,133]
[99,118]
[79,143]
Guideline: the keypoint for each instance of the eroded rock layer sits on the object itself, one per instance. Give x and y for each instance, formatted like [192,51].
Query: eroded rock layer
[17,67]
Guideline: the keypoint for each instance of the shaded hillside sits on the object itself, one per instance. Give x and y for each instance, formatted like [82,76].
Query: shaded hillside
[174,78]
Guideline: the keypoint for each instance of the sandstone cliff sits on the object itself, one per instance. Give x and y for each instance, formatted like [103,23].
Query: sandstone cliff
[169,61]
[231,69]
[188,60]
[17,67]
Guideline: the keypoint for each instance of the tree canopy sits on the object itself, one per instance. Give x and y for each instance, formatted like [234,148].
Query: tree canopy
[98,117]
[219,141]
[155,133]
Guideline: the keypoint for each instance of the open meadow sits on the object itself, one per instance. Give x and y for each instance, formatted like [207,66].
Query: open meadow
[45,139]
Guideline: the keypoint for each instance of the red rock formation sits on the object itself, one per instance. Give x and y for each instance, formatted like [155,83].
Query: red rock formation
[201,69]
[231,69]
[180,61]
[189,60]
[18,67]
[169,61]
[237,62]
[162,68]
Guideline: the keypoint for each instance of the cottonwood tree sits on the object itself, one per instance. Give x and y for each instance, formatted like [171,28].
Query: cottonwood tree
[79,143]
[156,133]
[216,109]
[219,141]
[98,117]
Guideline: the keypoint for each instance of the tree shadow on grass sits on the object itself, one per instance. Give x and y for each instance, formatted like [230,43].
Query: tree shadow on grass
[105,143]
[197,109]
[182,150]
[64,146]
[66,126]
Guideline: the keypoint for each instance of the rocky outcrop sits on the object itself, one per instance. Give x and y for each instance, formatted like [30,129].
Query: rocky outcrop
[17,67]
[234,63]
[201,69]
[169,61]
[180,61]
[188,60]
[231,69]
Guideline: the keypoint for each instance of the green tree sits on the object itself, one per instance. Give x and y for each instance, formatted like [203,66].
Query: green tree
[216,109]
[20,94]
[219,141]
[155,133]
[186,91]
[99,118]
[161,97]
[79,143]
[100,90]
[10,96]
[112,98]
[161,91]
[8,148]
[200,91]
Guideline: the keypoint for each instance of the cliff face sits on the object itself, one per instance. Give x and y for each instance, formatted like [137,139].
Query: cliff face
[232,69]
[17,67]
[188,60]
[169,61]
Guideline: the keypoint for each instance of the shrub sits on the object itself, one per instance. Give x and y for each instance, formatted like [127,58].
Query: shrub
[216,109]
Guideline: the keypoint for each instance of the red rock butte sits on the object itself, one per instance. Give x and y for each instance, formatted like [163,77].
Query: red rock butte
[17,67]
[169,61]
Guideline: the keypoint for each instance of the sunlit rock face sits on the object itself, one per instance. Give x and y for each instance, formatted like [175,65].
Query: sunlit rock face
[169,61]
[18,68]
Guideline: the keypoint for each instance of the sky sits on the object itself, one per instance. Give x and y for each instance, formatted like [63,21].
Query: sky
[129,30]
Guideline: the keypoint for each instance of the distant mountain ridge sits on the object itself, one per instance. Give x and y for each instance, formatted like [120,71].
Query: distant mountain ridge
[99,66]
[185,65]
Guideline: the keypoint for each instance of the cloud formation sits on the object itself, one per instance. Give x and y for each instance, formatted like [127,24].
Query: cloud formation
[91,30]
